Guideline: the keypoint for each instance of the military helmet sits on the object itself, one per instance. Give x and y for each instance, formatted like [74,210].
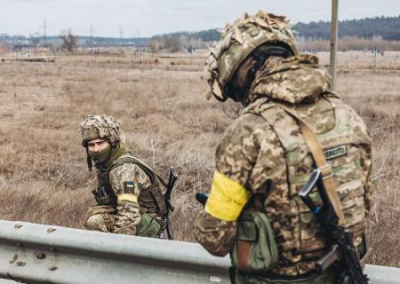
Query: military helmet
[100,127]
[238,41]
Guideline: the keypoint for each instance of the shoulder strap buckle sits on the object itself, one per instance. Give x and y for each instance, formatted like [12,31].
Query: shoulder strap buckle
[326,171]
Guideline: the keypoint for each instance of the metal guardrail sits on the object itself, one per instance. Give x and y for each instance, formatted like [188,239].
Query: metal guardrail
[33,253]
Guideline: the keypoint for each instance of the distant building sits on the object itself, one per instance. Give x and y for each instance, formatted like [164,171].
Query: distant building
[23,47]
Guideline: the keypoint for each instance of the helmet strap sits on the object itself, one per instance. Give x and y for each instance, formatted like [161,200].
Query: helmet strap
[262,53]
[88,159]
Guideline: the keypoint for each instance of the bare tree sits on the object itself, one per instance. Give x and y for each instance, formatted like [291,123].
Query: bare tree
[70,41]
[154,45]
[172,44]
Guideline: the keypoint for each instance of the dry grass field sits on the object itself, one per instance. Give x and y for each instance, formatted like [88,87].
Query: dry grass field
[43,174]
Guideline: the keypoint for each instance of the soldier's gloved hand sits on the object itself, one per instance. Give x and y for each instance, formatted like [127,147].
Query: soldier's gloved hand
[216,236]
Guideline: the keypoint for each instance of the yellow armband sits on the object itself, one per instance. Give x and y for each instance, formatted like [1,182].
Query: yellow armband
[227,198]
[129,197]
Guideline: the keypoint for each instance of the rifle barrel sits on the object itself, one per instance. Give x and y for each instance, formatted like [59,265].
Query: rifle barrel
[173,176]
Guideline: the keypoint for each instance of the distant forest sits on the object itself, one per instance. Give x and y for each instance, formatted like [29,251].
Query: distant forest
[386,27]
[207,35]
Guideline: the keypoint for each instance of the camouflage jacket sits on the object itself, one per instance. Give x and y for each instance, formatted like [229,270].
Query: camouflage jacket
[132,184]
[264,146]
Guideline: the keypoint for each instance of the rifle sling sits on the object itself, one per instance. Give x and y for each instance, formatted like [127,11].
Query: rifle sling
[319,159]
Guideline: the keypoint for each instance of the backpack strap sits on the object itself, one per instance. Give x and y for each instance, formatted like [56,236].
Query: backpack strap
[319,159]
[130,159]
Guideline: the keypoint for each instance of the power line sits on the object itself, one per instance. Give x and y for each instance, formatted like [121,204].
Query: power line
[91,31]
[91,36]
[45,26]
[137,34]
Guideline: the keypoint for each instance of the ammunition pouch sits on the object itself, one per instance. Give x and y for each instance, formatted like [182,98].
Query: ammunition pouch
[255,250]
[149,227]
[102,196]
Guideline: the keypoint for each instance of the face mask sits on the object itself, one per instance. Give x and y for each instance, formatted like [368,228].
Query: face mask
[102,156]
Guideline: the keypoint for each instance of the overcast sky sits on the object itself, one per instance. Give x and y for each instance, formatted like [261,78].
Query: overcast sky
[150,17]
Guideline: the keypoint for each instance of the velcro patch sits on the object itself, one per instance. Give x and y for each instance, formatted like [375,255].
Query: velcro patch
[335,152]
[129,187]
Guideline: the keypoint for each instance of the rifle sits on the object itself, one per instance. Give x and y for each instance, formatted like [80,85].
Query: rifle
[105,196]
[342,251]
[173,176]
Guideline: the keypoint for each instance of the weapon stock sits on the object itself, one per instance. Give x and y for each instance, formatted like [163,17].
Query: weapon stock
[330,258]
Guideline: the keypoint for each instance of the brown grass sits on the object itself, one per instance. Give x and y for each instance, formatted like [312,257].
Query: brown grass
[43,175]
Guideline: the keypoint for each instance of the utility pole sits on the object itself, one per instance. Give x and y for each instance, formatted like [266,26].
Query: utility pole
[45,26]
[334,44]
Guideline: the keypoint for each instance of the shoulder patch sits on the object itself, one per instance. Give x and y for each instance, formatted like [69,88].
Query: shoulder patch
[129,187]
[335,152]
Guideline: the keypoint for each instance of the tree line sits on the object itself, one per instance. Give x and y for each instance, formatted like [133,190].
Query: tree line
[386,27]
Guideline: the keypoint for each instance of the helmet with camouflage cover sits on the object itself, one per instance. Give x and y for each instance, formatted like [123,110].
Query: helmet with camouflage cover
[241,39]
[100,127]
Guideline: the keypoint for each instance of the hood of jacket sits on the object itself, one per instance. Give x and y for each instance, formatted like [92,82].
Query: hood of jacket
[298,79]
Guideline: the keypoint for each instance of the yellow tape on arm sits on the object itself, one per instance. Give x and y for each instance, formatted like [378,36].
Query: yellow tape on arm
[130,197]
[227,198]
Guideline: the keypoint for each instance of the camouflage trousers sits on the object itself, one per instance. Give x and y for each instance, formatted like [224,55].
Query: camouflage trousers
[329,277]
[102,218]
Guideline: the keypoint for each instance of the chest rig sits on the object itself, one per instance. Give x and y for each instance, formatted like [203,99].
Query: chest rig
[298,235]
[151,199]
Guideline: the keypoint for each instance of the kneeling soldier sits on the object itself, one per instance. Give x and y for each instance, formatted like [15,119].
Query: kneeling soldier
[129,199]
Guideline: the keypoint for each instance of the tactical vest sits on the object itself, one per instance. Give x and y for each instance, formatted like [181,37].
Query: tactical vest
[151,199]
[297,233]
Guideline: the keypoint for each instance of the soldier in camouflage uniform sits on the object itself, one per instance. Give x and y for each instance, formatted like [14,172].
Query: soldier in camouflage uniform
[264,150]
[128,198]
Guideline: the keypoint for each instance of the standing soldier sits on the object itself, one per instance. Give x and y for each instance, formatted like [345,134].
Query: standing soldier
[267,155]
[129,199]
